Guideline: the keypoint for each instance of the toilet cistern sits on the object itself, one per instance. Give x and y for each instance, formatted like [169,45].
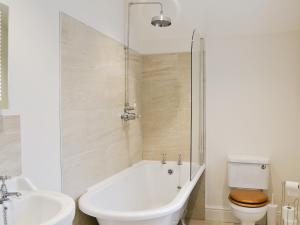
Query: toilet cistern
[248,178]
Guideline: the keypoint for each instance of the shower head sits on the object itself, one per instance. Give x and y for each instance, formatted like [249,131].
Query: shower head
[157,21]
[161,21]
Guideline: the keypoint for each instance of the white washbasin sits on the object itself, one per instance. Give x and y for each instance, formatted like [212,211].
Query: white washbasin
[37,207]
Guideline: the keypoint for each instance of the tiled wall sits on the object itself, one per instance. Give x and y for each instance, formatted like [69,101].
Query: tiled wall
[10,146]
[166,105]
[95,142]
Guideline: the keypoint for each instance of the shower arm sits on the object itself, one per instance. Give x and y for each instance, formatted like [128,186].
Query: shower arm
[147,3]
[139,3]
[128,44]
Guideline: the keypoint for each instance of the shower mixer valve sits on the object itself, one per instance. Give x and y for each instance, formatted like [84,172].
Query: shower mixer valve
[126,116]
[129,113]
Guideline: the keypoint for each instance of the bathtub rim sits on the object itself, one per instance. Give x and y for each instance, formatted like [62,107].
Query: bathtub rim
[179,200]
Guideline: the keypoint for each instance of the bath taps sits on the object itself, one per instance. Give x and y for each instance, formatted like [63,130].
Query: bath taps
[179,163]
[164,158]
[4,194]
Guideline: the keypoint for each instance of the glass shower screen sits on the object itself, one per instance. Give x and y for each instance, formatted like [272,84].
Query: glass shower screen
[197,142]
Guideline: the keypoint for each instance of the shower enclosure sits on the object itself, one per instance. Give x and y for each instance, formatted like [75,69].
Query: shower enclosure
[169,94]
[197,143]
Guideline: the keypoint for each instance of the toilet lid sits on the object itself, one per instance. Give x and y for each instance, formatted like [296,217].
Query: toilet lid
[252,197]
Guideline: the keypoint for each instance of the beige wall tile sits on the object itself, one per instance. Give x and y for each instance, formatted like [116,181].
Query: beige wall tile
[166,105]
[10,146]
[196,206]
[96,143]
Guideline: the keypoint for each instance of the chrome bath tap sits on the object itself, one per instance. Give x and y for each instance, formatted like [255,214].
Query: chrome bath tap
[4,194]
[164,158]
[179,162]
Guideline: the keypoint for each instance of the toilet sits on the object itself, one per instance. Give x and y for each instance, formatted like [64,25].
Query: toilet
[248,179]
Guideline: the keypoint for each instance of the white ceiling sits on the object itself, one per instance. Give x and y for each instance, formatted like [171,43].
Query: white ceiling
[212,18]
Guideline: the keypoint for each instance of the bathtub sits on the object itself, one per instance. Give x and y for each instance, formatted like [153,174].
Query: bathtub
[148,193]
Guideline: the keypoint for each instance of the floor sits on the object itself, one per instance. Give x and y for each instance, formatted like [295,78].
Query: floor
[205,222]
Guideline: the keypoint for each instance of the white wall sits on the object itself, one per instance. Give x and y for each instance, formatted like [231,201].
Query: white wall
[253,107]
[34,75]
[211,17]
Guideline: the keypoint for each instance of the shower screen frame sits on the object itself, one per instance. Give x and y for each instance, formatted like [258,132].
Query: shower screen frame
[198,118]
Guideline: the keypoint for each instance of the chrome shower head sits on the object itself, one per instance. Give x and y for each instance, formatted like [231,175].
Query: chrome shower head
[161,21]
[157,21]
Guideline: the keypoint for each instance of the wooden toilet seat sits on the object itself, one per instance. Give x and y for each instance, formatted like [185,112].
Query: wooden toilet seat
[248,198]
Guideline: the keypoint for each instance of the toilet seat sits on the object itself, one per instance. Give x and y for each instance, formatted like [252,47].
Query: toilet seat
[248,198]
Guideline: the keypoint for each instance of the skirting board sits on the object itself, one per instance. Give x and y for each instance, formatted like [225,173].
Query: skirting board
[225,215]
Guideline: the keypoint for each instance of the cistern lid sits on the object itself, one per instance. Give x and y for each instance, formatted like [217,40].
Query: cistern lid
[248,159]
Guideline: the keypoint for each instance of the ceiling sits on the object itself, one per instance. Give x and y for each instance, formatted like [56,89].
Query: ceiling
[212,18]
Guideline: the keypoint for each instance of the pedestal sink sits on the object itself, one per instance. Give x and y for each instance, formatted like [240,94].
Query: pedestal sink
[35,207]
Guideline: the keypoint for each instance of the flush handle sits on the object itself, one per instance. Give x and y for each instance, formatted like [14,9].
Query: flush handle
[263,167]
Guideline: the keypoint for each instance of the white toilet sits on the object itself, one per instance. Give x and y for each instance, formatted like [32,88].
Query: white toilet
[248,178]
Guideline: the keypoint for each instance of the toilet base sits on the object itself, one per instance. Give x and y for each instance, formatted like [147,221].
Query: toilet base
[248,216]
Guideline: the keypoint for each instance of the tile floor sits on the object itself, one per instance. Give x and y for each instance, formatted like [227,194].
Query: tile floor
[205,222]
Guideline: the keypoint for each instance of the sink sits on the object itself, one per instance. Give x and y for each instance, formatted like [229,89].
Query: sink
[36,207]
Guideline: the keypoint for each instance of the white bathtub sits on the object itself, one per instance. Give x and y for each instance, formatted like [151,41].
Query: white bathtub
[144,194]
